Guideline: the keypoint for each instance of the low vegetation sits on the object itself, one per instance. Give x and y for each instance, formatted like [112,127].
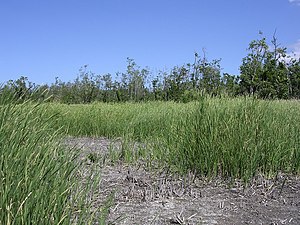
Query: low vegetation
[212,137]
[231,138]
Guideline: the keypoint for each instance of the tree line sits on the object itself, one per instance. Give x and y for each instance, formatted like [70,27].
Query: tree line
[267,72]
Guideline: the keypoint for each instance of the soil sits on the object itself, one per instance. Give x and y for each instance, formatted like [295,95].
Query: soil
[156,196]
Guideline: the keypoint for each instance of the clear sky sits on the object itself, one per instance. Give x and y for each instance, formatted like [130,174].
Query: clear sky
[42,39]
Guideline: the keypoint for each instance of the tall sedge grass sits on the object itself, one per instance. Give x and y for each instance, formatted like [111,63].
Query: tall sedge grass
[139,121]
[229,137]
[37,176]
[237,138]
[212,137]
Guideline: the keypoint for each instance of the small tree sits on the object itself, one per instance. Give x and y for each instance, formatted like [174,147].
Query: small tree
[264,72]
[134,79]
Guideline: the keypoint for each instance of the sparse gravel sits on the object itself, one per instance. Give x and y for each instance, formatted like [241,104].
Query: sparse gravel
[144,196]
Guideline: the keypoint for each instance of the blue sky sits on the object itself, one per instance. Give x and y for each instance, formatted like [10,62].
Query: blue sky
[42,39]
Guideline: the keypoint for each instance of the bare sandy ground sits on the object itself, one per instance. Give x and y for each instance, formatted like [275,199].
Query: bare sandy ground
[155,196]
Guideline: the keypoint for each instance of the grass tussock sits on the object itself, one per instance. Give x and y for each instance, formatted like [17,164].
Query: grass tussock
[237,138]
[37,176]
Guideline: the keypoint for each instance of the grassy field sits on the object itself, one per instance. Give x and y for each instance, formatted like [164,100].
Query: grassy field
[228,137]
[236,138]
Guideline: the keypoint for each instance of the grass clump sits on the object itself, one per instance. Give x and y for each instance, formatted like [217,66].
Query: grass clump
[237,138]
[37,176]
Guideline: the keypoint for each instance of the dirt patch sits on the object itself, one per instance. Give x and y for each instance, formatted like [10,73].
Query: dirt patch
[144,196]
